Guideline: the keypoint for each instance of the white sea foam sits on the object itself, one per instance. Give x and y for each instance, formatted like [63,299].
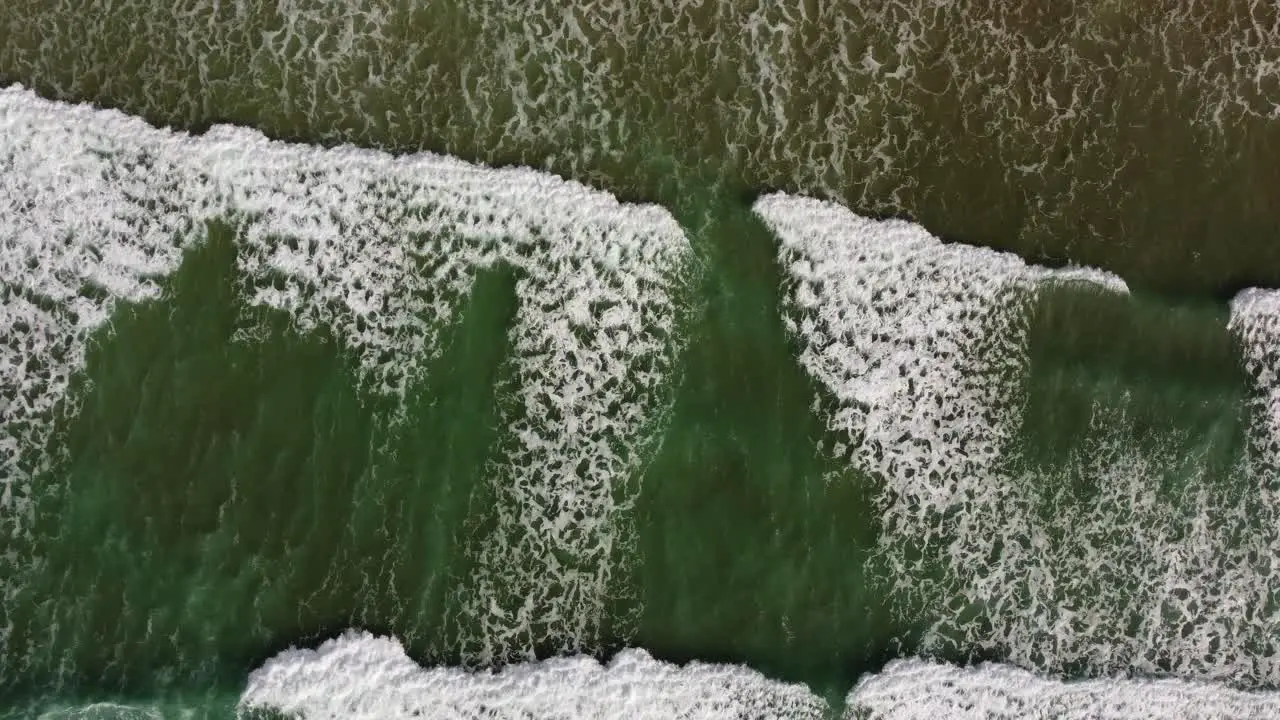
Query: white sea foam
[595,343]
[902,330]
[1255,319]
[1164,563]
[361,676]
[922,690]
[98,206]
[906,333]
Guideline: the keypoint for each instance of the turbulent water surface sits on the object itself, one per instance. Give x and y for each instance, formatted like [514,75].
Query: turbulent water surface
[679,406]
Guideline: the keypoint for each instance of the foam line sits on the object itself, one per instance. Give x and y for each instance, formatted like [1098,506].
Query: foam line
[1255,319]
[922,690]
[359,676]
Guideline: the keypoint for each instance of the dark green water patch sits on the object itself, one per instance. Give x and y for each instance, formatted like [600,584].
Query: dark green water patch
[1135,391]
[1140,368]
[753,545]
[223,499]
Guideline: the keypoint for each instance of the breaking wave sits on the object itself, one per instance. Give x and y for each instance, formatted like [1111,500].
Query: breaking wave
[380,250]
[1134,551]
[921,690]
[361,676]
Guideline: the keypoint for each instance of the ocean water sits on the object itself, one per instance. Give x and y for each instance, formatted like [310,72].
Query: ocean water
[680,406]
[1086,131]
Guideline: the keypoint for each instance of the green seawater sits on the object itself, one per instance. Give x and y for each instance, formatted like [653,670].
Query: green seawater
[1138,137]
[225,497]
[229,488]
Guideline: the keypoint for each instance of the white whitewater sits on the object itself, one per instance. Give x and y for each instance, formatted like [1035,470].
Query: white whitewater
[922,349]
[921,690]
[381,250]
[358,676]
[1255,319]
[916,340]
[908,334]
[901,329]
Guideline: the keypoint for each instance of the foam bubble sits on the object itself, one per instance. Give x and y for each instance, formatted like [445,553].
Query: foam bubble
[1117,558]
[379,249]
[919,689]
[359,675]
